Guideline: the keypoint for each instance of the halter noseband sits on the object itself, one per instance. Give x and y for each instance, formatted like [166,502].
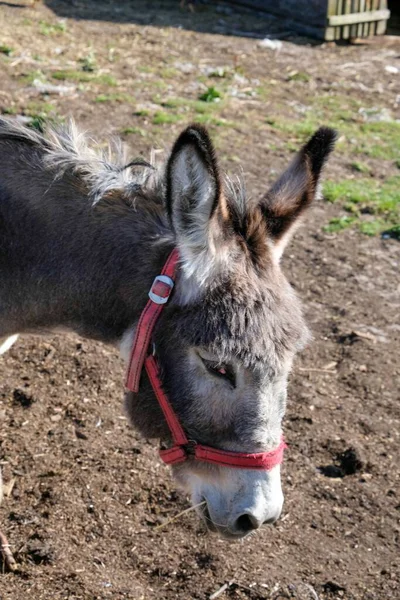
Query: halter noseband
[183,448]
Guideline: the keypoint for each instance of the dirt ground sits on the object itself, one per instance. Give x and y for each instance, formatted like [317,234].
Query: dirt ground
[85,492]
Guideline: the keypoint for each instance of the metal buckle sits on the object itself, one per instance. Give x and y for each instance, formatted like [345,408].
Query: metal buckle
[190,448]
[155,297]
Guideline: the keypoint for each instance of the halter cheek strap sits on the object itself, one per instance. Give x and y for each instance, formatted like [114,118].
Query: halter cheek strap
[183,448]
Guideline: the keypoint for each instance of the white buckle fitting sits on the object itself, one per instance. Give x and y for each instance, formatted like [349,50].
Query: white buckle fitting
[161,299]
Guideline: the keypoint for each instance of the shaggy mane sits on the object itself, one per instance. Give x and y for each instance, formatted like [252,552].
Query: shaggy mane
[104,170]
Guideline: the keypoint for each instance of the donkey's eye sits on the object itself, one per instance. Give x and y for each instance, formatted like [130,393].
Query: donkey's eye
[220,370]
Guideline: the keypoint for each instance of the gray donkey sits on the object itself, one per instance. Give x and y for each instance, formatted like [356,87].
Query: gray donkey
[83,233]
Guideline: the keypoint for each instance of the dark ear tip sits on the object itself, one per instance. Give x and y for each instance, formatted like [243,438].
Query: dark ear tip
[197,137]
[319,147]
[323,138]
[194,134]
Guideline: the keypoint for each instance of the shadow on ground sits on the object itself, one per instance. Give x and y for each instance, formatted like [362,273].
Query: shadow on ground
[219,18]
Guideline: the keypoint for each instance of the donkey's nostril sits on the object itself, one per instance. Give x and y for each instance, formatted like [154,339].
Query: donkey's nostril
[246,523]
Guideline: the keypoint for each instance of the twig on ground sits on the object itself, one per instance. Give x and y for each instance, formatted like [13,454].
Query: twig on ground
[312,591]
[366,335]
[8,558]
[219,592]
[179,515]
[8,487]
[316,370]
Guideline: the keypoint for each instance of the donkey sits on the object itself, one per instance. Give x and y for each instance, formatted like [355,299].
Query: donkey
[83,233]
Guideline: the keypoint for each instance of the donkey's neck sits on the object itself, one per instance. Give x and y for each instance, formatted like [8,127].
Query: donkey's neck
[125,267]
[65,263]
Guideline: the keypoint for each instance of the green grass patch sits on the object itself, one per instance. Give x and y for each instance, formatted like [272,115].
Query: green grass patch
[37,108]
[359,167]
[373,206]
[168,73]
[299,76]
[158,84]
[173,102]
[374,227]
[46,28]
[84,77]
[9,110]
[301,129]
[88,63]
[7,50]
[105,98]
[145,69]
[76,76]
[189,109]
[141,112]
[210,120]
[177,108]
[40,122]
[263,91]
[337,103]
[29,78]
[378,140]
[41,113]
[134,131]
[163,118]
[211,95]
[203,108]
[339,223]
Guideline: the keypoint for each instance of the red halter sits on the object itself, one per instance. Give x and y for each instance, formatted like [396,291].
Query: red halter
[183,448]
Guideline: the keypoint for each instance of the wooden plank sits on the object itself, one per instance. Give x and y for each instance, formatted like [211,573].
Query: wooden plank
[361,9]
[330,34]
[353,27]
[340,7]
[356,18]
[374,6]
[346,28]
[381,25]
[332,7]
[339,11]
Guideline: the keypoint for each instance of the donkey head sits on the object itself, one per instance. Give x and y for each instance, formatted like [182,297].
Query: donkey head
[226,341]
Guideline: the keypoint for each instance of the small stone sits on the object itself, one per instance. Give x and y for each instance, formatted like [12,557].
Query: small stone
[275,45]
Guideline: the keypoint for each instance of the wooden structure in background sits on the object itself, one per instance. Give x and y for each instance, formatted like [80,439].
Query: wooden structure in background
[329,19]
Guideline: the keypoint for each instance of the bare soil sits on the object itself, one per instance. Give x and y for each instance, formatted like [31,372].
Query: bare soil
[87,492]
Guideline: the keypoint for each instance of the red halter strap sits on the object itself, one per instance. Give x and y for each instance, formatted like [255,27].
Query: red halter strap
[183,448]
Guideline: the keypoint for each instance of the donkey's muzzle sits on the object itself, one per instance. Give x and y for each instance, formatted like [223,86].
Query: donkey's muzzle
[236,504]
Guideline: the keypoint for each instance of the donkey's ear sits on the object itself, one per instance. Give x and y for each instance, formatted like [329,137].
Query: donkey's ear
[297,187]
[192,190]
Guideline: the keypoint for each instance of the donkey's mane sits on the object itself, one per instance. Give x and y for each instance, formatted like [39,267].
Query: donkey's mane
[103,170]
